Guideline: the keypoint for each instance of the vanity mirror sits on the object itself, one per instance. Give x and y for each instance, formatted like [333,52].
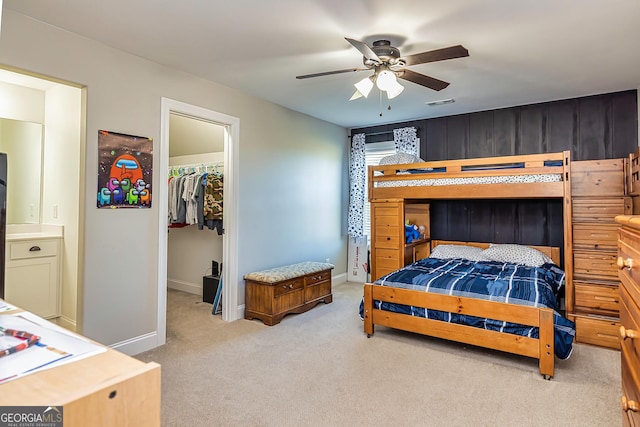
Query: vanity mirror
[22,141]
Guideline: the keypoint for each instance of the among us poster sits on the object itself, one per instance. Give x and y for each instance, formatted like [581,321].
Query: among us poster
[124,170]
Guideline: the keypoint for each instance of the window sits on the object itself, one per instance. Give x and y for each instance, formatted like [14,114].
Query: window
[373,152]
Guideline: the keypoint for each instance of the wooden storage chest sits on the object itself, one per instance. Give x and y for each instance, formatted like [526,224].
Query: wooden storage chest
[272,294]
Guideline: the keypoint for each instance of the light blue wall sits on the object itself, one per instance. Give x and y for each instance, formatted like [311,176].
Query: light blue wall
[292,175]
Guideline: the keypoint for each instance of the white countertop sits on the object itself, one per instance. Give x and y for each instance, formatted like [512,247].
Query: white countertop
[17,232]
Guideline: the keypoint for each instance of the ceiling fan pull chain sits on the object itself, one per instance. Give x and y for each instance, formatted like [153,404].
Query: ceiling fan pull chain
[380,92]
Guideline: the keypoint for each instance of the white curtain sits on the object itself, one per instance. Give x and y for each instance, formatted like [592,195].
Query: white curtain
[357,171]
[406,140]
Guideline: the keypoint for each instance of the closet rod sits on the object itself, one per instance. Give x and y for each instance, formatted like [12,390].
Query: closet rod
[192,167]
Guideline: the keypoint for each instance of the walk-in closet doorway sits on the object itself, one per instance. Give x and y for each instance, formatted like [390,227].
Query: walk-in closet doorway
[183,151]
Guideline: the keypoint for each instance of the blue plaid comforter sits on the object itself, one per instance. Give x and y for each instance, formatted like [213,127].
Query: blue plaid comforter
[494,281]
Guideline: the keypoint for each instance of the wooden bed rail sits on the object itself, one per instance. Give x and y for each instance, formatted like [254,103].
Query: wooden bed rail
[530,164]
[541,348]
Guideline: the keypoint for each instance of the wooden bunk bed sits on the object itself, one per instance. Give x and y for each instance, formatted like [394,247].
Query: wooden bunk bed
[541,176]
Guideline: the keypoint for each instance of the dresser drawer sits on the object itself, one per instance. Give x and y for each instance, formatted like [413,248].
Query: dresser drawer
[599,297]
[288,286]
[597,177]
[315,278]
[630,390]
[598,331]
[595,236]
[388,263]
[629,313]
[32,249]
[387,237]
[387,214]
[595,265]
[388,254]
[628,252]
[599,209]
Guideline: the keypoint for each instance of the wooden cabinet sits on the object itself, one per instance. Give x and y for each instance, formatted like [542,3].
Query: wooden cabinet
[270,300]
[593,300]
[628,263]
[389,252]
[33,275]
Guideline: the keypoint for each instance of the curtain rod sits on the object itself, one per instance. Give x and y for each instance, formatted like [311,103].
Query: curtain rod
[383,132]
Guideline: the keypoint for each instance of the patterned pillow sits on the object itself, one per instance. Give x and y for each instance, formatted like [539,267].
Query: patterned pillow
[516,254]
[399,159]
[458,251]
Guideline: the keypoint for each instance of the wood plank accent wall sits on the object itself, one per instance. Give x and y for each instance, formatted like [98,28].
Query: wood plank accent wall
[594,127]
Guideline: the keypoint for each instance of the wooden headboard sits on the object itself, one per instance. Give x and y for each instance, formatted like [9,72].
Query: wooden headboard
[550,251]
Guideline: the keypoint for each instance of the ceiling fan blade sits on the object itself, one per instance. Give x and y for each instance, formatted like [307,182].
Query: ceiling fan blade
[327,73]
[422,80]
[436,55]
[364,49]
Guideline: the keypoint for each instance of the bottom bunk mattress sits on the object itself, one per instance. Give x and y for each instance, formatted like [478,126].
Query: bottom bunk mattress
[488,280]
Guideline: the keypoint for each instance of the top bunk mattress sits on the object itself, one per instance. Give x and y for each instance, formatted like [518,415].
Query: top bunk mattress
[526,169]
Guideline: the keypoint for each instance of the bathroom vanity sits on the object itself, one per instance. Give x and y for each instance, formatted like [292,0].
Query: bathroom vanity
[33,268]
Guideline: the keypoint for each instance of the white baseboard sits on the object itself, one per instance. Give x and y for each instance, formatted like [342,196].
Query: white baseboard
[149,341]
[339,278]
[67,323]
[181,285]
[137,344]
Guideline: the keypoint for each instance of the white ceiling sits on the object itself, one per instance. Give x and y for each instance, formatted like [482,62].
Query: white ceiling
[521,52]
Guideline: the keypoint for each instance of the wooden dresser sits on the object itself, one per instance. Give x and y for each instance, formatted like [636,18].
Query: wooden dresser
[598,195]
[628,263]
[389,252]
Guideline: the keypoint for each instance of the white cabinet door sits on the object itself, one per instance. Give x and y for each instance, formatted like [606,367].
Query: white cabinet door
[31,282]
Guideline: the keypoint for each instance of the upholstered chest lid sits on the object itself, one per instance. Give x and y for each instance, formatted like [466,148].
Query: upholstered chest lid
[288,271]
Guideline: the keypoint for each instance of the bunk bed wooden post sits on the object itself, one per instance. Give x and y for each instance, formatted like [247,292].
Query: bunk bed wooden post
[568,234]
[368,309]
[546,343]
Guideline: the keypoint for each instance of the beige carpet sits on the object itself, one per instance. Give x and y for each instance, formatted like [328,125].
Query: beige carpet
[319,369]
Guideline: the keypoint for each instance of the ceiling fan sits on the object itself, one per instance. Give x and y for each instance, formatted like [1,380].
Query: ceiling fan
[388,66]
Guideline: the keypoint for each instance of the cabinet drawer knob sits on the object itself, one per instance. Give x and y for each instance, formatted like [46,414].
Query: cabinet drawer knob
[34,248]
[627,333]
[624,263]
[629,405]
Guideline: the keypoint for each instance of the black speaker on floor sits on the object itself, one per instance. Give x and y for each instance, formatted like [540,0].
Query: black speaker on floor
[209,288]
[214,268]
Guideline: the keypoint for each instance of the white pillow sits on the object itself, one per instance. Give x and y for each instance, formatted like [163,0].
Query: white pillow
[516,254]
[458,251]
[399,159]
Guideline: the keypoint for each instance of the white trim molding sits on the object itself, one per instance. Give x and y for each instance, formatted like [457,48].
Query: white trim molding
[230,281]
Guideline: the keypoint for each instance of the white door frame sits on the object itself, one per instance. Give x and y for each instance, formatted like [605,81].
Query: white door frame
[230,309]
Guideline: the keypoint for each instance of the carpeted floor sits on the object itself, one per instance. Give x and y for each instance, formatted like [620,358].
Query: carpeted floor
[319,369]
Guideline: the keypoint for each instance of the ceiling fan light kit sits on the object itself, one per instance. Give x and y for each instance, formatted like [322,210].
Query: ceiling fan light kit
[388,66]
[364,86]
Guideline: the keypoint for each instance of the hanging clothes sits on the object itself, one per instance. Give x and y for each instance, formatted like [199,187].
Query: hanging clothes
[195,197]
[212,203]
